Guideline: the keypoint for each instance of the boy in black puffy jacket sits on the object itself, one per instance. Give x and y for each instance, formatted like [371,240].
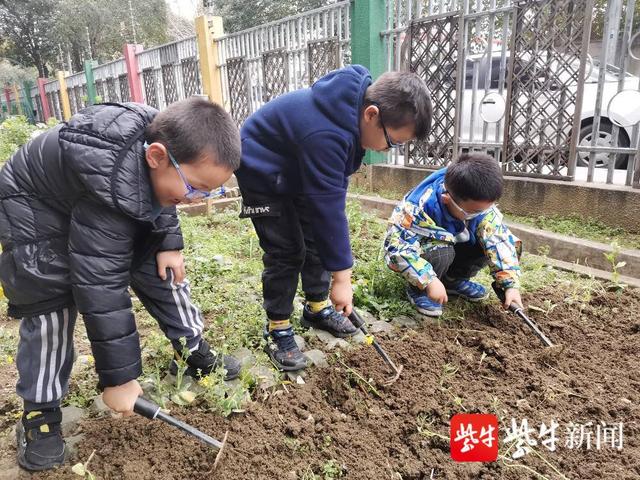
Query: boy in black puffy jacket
[88,210]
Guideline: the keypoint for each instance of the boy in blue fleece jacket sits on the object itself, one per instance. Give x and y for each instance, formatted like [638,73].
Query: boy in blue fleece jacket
[298,152]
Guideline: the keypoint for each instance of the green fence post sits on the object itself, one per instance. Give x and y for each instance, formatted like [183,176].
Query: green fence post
[367,46]
[28,101]
[91,85]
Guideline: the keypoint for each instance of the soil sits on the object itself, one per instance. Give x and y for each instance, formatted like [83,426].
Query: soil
[591,376]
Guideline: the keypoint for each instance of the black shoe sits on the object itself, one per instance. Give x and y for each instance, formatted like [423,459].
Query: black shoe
[283,350]
[203,361]
[330,320]
[39,438]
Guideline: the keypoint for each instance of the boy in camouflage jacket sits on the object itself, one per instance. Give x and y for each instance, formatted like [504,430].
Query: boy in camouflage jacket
[449,227]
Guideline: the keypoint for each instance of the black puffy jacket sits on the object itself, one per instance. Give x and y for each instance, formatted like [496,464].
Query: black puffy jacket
[75,220]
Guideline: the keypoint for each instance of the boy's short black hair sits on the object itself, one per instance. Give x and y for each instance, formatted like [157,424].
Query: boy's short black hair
[190,127]
[474,176]
[403,99]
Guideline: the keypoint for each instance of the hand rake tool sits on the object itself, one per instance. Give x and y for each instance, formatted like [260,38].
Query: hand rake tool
[358,322]
[519,311]
[152,411]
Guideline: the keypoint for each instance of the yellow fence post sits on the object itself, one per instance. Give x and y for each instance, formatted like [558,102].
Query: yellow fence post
[208,29]
[64,96]
[16,95]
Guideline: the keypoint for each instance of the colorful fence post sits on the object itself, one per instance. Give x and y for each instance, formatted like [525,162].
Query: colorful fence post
[208,30]
[7,96]
[64,96]
[16,98]
[46,113]
[367,47]
[91,85]
[28,101]
[131,62]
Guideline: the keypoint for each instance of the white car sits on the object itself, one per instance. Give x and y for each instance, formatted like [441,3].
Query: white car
[489,105]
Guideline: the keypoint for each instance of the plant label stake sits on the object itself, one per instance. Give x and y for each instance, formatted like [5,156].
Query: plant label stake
[152,411]
[358,322]
[519,311]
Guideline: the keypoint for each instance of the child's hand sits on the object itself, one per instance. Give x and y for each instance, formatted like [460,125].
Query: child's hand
[512,295]
[122,398]
[341,292]
[437,292]
[174,260]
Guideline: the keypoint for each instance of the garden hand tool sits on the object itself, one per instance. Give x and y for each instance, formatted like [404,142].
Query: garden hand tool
[519,311]
[152,411]
[358,322]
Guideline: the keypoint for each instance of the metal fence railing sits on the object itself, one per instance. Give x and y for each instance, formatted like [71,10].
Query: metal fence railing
[112,84]
[52,92]
[170,72]
[265,61]
[518,81]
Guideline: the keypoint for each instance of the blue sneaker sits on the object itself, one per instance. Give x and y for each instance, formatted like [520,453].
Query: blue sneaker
[471,291]
[423,303]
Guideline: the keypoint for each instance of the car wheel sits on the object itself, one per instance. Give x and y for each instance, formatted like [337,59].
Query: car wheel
[605,139]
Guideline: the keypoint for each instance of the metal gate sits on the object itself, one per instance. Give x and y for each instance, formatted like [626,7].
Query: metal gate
[525,83]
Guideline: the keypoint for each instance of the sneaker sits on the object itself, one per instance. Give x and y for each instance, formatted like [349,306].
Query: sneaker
[203,361]
[283,350]
[330,320]
[471,291]
[423,303]
[40,442]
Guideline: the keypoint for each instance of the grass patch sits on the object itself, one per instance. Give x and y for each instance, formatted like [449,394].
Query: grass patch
[580,227]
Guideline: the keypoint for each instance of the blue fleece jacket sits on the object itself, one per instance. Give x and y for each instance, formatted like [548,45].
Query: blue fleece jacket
[307,143]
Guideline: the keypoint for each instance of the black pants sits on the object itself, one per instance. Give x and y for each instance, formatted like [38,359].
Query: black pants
[286,238]
[459,262]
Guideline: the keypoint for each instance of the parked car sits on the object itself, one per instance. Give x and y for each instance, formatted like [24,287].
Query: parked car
[476,104]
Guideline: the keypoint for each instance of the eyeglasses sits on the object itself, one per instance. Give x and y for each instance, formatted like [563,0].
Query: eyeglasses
[192,193]
[467,215]
[390,144]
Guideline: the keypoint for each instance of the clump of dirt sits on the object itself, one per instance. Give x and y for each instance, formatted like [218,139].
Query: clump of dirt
[488,362]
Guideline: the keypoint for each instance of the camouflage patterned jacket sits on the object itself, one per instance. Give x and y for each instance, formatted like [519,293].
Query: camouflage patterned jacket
[421,222]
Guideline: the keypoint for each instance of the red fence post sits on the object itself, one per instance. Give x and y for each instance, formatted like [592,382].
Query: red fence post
[131,61]
[46,113]
[7,95]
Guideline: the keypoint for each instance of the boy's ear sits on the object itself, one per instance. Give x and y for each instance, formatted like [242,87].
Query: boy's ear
[370,113]
[156,155]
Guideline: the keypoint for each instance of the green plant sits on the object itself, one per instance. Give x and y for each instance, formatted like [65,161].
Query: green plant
[82,469]
[331,470]
[83,384]
[612,258]
[16,131]
[226,397]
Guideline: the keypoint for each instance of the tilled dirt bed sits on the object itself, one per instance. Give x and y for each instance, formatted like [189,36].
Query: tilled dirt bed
[486,362]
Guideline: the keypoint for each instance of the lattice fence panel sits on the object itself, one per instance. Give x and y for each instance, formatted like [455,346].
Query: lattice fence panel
[434,56]
[123,81]
[323,56]
[150,87]
[238,88]
[544,86]
[275,73]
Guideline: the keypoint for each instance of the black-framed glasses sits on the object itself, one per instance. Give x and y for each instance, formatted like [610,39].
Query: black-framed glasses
[390,144]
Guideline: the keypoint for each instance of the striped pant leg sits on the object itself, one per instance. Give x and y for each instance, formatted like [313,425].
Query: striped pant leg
[170,304]
[45,358]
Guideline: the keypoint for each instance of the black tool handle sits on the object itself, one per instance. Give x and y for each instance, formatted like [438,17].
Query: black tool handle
[356,319]
[146,408]
[519,311]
